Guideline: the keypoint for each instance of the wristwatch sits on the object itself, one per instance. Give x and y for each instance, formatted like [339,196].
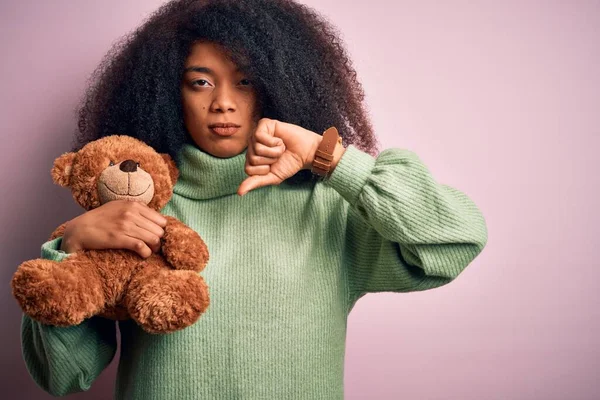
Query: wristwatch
[322,161]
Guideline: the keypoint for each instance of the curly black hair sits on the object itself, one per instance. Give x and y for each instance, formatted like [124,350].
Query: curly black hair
[294,56]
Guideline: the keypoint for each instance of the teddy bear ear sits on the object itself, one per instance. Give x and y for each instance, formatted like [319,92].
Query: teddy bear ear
[61,171]
[173,171]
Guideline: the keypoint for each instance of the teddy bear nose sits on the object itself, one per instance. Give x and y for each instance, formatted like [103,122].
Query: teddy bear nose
[128,166]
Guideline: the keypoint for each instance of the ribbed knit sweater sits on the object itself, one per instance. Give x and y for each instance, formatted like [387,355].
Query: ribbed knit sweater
[287,264]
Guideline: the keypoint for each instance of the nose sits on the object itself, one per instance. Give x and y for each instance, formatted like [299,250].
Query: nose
[223,101]
[128,166]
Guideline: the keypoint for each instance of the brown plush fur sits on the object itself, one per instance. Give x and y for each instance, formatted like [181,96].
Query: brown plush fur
[162,293]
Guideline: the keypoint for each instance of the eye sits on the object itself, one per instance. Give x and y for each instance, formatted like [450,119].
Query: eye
[110,164]
[137,164]
[199,81]
[246,82]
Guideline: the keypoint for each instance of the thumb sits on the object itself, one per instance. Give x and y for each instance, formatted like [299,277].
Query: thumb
[256,181]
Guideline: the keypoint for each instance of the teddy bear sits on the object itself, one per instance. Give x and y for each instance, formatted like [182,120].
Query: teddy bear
[162,293]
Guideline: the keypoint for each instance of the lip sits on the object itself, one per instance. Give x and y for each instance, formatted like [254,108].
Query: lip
[223,125]
[224,130]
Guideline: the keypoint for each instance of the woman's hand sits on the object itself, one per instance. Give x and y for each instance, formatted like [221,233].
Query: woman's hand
[276,151]
[118,224]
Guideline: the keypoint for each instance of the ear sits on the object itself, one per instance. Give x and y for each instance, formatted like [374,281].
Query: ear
[173,171]
[61,171]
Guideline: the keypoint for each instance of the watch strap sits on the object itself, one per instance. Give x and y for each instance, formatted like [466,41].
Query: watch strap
[324,155]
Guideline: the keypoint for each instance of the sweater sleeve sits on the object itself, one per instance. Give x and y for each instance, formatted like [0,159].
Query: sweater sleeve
[63,360]
[404,231]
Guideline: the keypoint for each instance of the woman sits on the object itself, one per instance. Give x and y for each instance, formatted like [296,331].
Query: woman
[239,92]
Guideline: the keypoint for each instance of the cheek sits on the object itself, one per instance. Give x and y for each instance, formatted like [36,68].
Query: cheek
[194,108]
[250,106]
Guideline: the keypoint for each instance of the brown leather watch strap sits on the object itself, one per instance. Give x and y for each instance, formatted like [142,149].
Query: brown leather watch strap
[324,155]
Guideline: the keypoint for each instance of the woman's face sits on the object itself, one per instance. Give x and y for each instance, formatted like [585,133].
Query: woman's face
[215,92]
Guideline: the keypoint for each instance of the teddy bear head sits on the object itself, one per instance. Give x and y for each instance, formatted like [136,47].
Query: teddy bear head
[117,167]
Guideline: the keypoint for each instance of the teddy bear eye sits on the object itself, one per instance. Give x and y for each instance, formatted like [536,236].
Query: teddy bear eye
[110,164]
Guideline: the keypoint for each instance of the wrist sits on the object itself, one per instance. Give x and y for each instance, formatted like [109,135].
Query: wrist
[315,142]
[338,152]
[68,244]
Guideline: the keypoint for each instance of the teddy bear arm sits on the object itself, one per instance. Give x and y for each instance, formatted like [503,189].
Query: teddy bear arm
[183,247]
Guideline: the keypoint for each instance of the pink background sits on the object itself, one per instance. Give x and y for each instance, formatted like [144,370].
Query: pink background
[499,99]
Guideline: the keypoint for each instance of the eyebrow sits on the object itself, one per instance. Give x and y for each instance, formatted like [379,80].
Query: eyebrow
[206,70]
[199,69]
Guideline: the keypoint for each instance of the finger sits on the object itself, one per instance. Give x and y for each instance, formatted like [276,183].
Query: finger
[152,215]
[266,136]
[265,151]
[250,152]
[150,239]
[257,181]
[250,155]
[135,244]
[149,225]
[257,169]
[260,160]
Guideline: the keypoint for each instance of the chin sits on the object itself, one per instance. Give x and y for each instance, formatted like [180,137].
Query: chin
[225,150]
[220,147]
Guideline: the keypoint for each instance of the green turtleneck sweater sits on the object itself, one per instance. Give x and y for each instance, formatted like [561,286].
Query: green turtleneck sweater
[287,264]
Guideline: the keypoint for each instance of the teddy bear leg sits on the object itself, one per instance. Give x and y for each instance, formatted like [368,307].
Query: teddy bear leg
[163,300]
[58,293]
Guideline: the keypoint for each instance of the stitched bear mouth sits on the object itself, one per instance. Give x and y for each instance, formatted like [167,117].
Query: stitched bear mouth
[126,194]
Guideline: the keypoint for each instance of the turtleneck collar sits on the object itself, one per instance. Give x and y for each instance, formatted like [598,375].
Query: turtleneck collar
[204,176]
